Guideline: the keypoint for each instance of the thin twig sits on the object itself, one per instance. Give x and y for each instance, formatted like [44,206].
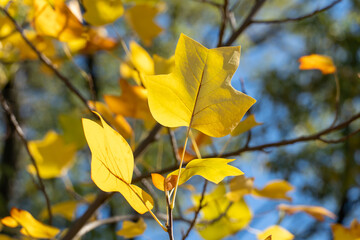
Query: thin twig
[337,99]
[224,17]
[46,60]
[340,139]
[169,224]
[285,20]
[21,135]
[174,145]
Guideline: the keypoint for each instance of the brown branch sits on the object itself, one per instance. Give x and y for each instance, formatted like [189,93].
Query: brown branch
[174,145]
[316,136]
[247,22]
[297,18]
[340,139]
[224,15]
[102,197]
[21,135]
[46,60]
[192,225]
[169,224]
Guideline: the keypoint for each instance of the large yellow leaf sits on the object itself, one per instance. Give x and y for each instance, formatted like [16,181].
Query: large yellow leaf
[141,18]
[245,125]
[277,189]
[198,92]
[277,233]
[317,212]
[320,62]
[132,102]
[132,229]
[101,12]
[56,20]
[32,227]
[52,155]
[212,169]
[112,164]
[343,233]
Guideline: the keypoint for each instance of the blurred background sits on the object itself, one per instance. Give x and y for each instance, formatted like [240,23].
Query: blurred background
[290,103]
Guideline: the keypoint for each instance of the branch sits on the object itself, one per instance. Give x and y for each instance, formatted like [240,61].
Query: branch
[297,18]
[247,22]
[46,60]
[21,135]
[103,196]
[224,14]
[316,136]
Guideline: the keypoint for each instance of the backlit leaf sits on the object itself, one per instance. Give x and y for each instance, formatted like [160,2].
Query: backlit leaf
[212,169]
[101,12]
[112,164]
[277,189]
[198,91]
[132,229]
[52,155]
[141,18]
[32,227]
[245,125]
[343,233]
[277,233]
[319,213]
[158,181]
[9,222]
[320,62]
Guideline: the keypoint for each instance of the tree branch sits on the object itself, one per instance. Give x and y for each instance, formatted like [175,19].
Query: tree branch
[224,14]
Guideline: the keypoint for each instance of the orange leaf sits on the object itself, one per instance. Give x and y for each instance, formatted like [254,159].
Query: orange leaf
[320,62]
[319,213]
[158,181]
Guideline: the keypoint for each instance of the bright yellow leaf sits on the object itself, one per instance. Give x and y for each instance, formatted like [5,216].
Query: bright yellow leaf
[276,189]
[112,164]
[245,125]
[199,93]
[240,186]
[163,65]
[319,213]
[32,227]
[158,181]
[52,155]
[132,229]
[118,122]
[56,21]
[141,18]
[6,26]
[132,102]
[343,233]
[277,233]
[101,12]
[9,222]
[212,169]
[320,62]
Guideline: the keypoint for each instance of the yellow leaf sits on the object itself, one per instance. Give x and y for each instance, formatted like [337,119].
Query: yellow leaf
[320,62]
[9,222]
[5,237]
[72,129]
[245,125]
[237,216]
[198,91]
[132,229]
[158,181]
[118,122]
[277,189]
[31,226]
[132,102]
[6,26]
[277,233]
[64,209]
[112,164]
[141,18]
[101,12]
[52,155]
[163,65]
[343,233]
[240,186]
[212,169]
[56,21]
[319,213]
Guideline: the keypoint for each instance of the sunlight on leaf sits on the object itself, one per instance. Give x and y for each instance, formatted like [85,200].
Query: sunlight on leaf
[245,125]
[158,181]
[101,12]
[319,213]
[132,229]
[112,164]
[52,155]
[194,95]
[343,233]
[320,62]
[212,169]
[277,189]
[9,222]
[277,233]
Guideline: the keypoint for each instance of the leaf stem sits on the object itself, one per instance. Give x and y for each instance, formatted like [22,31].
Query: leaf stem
[195,146]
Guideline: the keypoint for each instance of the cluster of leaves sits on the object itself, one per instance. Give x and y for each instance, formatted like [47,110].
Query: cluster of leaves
[192,89]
